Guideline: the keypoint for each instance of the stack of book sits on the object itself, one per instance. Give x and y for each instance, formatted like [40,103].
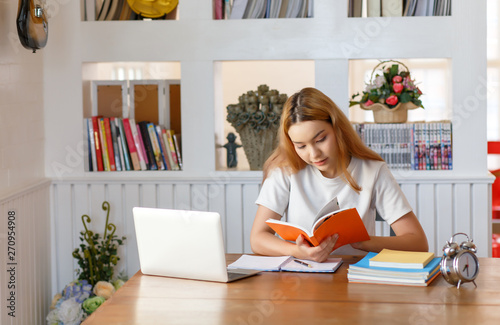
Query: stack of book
[396,267]
[416,146]
[119,144]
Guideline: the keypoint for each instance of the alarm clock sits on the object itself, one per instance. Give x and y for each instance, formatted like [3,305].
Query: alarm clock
[459,263]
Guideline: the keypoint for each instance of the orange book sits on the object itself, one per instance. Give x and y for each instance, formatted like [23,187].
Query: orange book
[346,223]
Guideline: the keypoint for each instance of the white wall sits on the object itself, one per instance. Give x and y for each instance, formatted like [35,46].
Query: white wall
[22,188]
[21,107]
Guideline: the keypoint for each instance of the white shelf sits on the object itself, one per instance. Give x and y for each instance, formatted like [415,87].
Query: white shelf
[267,39]
[330,40]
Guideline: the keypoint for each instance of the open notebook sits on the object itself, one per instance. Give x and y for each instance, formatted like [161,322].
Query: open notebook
[183,244]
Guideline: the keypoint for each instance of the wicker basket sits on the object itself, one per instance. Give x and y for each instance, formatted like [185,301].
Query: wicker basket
[381,112]
[384,114]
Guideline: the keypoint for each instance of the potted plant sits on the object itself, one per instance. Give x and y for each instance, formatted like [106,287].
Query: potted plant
[390,94]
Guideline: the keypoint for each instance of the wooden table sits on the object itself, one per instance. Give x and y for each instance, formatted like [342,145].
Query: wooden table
[302,298]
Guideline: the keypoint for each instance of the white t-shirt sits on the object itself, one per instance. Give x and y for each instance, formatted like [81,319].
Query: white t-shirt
[299,197]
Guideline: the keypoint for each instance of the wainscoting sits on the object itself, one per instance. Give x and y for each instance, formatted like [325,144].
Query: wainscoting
[25,255]
[444,206]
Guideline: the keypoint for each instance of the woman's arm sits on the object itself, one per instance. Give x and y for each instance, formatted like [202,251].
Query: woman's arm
[264,241]
[409,237]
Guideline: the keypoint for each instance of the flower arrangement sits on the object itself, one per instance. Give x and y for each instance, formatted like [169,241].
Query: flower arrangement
[391,88]
[79,299]
[96,258]
[256,117]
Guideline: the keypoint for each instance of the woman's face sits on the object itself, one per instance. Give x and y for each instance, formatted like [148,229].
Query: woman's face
[315,143]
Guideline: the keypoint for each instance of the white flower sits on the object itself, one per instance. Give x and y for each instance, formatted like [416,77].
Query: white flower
[379,81]
[70,312]
[53,317]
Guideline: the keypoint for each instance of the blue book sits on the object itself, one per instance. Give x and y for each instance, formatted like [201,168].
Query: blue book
[364,266]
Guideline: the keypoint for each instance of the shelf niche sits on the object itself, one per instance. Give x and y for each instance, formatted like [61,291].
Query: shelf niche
[234,78]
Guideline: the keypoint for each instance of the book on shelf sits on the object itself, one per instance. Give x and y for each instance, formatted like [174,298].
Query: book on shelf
[392,8]
[416,146]
[399,8]
[355,8]
[120,142]
[148,147]
[153,137]
[401,259]
[97,143]
[256,9]
[374,8]
[88,164]
[105,152]
[330,220]
[114,140]
[124,144]
[127,126]
[143,158]
[362,272]
[285,263]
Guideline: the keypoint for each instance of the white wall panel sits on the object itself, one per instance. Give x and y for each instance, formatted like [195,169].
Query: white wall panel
[32,260]
[443,208]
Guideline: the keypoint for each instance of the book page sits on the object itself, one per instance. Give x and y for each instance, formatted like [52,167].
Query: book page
[326,210]
[262,263]
[329,266]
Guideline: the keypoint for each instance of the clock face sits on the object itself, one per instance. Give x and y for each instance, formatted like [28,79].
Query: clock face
[466,265]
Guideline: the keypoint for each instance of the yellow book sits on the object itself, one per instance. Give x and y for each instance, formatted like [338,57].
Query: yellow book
[401,259]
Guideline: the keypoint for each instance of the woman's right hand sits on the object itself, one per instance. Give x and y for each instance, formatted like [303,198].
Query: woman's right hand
[319,253]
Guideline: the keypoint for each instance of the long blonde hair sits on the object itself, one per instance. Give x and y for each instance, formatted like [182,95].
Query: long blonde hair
[310,104]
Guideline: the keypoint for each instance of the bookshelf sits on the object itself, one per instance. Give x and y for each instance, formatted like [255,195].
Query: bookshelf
[329,40]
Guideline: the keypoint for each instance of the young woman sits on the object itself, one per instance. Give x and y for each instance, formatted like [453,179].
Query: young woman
[319,157]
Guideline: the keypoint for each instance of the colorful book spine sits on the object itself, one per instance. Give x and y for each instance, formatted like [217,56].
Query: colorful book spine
[131,144]
[114,140]
[164,147]
[147,145]
[138,144]
[156,146]
[91,142]
[168,149]
[142,149]
[177,149]
[416,146]
[105,152]
[124,144]
[109,144]
[171,144]
[97,142]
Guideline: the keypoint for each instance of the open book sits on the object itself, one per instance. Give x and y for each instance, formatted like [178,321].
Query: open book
[329,221]
[284,263]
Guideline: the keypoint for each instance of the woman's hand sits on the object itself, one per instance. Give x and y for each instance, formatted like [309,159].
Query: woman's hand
[319,253]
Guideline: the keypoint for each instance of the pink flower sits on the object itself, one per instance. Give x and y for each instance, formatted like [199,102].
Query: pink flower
[397,79]
[398,88]
[368,103]
[392,100]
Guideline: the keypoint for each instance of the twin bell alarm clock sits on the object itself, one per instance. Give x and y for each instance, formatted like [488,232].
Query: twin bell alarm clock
[459,263]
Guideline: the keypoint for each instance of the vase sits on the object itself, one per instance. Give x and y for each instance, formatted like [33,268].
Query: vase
[258,145]
[383,114]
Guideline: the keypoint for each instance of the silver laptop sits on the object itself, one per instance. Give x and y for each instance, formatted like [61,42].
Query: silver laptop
[183,244]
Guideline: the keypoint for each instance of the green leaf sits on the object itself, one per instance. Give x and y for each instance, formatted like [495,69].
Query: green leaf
[405,98]
[394,70]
